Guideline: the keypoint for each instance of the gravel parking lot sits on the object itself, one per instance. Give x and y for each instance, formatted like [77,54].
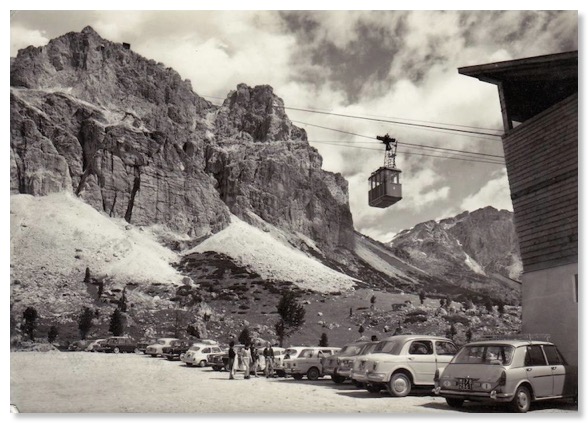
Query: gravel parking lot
[75,382]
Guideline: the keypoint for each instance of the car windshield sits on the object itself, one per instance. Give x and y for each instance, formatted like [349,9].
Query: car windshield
[368,349]
[162,341]
[484,354]
[388,347]
[351,349]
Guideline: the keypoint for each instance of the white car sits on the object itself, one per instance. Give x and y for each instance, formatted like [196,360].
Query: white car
[157,349]
[400,362]
[197,354]
[308,362]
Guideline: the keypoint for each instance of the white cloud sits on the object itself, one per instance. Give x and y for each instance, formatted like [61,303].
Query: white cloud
[495,193]
[22,37]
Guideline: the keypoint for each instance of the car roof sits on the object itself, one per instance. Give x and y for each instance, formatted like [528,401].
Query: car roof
[513,342]
[411,337]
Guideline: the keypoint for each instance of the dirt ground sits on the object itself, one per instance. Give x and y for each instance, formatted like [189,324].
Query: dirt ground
[81,382]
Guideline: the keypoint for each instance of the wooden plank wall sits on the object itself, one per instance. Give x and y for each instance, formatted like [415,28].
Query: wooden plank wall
[542,163]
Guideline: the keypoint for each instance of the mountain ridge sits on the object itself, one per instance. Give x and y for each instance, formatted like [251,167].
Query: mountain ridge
[130,138]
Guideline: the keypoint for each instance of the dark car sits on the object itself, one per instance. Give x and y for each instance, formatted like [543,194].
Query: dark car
[176,348]
[120,344]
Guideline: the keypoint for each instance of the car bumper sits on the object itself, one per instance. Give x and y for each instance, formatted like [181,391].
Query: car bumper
[359,377]
[377,377]
[491,396]
[344,372]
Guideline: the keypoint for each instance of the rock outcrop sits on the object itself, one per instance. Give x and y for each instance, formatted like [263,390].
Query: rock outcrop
[132,139]
[477,250]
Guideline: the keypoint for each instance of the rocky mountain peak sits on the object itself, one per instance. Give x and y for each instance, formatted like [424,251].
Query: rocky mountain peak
[131,138]
[256,114]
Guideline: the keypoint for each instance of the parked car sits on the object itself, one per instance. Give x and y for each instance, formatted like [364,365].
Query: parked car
[515,372]
[308,362]
[78,345]
[143,344]
[176,348]
[331,363]
[340,365]
[198,354]
[120,344]
[156,348]
[220,361]
[400,362]
[96,346]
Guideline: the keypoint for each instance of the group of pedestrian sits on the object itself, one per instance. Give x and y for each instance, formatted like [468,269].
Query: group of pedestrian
[250,358]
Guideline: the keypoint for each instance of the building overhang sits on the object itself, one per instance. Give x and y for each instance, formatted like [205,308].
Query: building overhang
[529,86]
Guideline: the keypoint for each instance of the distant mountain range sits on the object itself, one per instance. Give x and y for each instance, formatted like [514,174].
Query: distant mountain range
[119,167]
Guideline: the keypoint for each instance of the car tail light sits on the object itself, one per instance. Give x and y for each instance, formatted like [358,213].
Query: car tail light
[502,379]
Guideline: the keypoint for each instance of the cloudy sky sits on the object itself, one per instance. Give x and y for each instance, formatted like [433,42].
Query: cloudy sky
[395,66]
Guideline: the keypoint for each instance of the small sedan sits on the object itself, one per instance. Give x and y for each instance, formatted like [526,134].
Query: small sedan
[401,362]
[514,372]
[157,348]
[197,354]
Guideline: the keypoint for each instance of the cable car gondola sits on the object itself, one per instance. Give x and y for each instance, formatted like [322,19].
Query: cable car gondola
[385,186]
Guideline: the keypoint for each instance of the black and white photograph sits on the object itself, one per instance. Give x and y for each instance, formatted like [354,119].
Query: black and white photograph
[248,210]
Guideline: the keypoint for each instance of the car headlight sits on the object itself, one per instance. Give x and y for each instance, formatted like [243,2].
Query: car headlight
[446,383]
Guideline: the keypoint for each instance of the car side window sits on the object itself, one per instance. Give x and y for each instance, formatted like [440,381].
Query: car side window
[445,348]
[421,348]
[552,354]
[205,350]
[534,356]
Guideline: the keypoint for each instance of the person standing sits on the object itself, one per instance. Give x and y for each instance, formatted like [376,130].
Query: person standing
[232,357]
[246,357]
[254,360]
[268,354]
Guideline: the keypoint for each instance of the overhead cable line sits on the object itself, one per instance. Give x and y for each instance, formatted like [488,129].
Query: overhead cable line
[403,143]
[471,159]
[398,121]
[451,150]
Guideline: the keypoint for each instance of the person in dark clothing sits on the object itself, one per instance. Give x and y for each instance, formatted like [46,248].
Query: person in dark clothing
[232,357]
[268,354]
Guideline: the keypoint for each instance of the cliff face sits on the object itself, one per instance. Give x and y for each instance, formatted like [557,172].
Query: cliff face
[477,250]
[131,138]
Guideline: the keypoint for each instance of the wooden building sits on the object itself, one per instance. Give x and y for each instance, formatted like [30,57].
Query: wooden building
[539,102]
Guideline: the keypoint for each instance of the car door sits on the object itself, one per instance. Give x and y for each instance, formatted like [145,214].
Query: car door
[421,360]
[558,369]
[538,371]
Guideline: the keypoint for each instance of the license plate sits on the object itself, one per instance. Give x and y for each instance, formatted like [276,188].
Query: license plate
[465,384]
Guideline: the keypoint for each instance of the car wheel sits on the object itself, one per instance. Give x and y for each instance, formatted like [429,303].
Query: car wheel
[297,376]
[116,350]
[454,402]
[357,383]
[399,385]
[521,401]
[338,379]
[373,389]
[313,373]
[169,357]
[216,368]
[202,363]
[281,373]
